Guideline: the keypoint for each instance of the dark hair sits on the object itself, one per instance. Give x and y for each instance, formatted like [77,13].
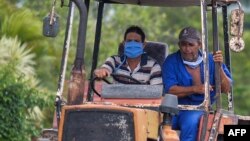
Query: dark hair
[135,29]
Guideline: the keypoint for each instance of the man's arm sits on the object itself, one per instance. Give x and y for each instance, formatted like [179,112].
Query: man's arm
[156,75]
[225,80]
[101,72]
[106,69]
[181,91]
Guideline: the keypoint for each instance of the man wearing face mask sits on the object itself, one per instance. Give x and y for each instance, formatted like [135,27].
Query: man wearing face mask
[183,75]
[134,62]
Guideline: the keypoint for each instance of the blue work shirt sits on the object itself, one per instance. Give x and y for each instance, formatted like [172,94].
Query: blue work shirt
[174,72]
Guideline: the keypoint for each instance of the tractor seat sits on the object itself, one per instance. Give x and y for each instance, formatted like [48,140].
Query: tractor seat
[132,94]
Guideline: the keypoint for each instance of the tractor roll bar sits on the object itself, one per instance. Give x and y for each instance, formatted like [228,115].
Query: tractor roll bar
[227,54]
[96,47]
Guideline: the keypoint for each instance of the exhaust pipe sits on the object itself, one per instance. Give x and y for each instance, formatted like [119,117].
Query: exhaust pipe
[78,74]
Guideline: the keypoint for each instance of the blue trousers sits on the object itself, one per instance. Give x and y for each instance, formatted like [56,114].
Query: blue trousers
[187,122]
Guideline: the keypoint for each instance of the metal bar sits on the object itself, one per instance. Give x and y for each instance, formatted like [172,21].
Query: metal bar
[96,47]
[63,67]
[216,48]
[79,60]
[203,6]
[52,13]
[87,4]
[226,38]
[65,49]
[205,52]
[191,107]
[227,54]
[215,126]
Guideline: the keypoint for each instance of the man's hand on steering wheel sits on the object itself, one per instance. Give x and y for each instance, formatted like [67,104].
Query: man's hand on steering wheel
[101,73]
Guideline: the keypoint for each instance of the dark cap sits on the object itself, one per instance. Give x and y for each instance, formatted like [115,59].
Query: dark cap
[189,34]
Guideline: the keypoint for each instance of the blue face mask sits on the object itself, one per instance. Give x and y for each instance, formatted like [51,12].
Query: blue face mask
[133,49]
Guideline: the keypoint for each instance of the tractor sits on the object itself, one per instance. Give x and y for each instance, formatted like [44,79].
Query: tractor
[97,111]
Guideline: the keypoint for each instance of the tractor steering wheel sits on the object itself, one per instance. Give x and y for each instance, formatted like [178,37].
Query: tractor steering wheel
[129,79]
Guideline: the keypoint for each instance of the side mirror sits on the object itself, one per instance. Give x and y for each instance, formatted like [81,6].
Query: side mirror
[51,25]
[236,29]
[169,108]
[169,105]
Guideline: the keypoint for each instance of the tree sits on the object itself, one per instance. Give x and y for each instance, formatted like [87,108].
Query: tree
[16,22]
[21,100]
[13,51]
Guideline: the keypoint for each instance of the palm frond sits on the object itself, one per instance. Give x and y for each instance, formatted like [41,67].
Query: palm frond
[22,23]
[13,51]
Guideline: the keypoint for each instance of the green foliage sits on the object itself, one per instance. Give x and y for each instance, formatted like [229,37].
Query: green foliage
[5,8]
[20,104]
[20,97]
[24,24]
[19,24]
[241,75]
[13,50]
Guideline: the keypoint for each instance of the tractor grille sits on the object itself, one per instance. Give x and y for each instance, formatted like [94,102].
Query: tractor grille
[98,125]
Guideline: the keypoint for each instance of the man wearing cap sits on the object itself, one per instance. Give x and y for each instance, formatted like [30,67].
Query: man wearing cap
[183,75]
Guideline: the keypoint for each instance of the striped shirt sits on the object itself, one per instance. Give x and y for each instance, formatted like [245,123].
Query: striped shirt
[148,71]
